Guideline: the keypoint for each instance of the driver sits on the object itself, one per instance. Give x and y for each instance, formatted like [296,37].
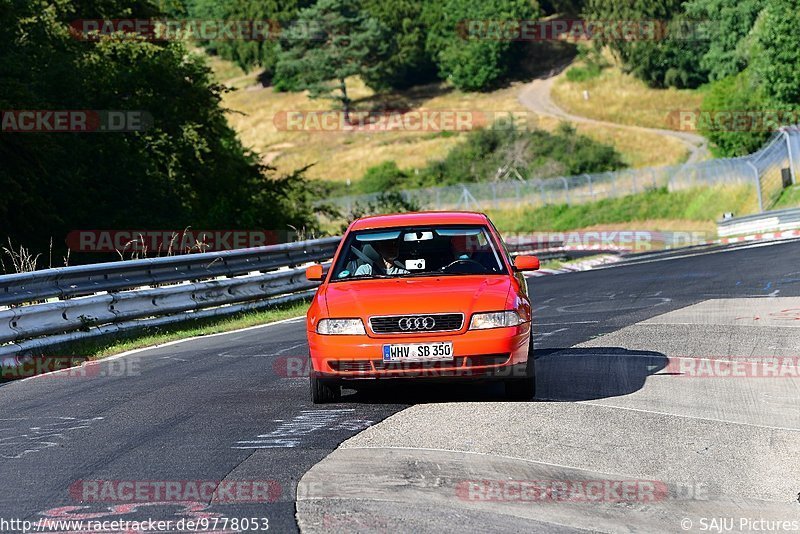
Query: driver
[461,248]
[388,250]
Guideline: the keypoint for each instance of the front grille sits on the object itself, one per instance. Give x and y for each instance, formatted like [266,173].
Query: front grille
[407,324]
[353,366]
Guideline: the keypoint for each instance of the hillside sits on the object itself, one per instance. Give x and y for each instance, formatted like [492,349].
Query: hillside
[341,155]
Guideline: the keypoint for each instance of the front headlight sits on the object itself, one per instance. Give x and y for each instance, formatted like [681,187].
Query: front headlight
[501,319]
[333,327]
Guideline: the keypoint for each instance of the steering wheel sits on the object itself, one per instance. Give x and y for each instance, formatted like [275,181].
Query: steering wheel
[465,263]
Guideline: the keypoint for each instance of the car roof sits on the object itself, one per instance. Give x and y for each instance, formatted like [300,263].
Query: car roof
[421,218]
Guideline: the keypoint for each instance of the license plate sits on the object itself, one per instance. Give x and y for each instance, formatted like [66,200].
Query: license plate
[419,352]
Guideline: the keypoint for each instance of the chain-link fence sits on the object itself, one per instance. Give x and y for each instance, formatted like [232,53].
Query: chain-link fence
[772,168]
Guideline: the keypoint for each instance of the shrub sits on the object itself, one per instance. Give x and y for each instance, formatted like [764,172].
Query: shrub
[384,177]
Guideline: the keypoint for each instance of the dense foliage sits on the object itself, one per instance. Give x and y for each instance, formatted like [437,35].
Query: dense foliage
[419,40]
[187,169]
[347,42]
[247,53]
[473,61]
[666,54]
[746,49]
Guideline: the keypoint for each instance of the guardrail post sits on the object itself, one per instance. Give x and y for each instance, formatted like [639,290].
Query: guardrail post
[758,186]
[591,186]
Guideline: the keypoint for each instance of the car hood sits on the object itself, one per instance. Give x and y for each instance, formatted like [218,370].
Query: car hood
[399,296]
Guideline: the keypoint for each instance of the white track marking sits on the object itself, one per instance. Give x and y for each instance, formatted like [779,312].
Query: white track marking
[290,433]
[564,322]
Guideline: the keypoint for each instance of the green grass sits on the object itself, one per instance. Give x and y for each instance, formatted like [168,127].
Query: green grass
[582,74]
[790,198]
[701,204]
[101,348]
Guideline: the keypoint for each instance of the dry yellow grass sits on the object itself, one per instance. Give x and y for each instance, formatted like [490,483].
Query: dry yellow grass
[226,71]
[638,149]
[623,99]
[255,113]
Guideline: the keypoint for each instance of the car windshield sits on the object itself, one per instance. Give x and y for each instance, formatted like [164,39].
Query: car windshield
[418,251]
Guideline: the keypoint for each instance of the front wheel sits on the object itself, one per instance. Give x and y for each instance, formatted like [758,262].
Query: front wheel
[520,389]
[523,389]
[324,391]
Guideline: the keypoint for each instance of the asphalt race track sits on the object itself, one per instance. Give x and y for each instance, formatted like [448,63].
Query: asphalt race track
[232,412]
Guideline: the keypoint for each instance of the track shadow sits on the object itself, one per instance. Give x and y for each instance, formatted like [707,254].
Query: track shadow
[576,374]
[568,374]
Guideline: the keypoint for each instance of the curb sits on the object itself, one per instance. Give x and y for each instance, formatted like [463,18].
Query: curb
[584,265]
[765,236]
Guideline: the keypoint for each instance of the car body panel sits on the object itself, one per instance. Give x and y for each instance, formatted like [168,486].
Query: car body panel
[477,353]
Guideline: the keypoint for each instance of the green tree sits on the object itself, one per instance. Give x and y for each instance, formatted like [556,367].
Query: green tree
[726,24]
[187,169]
[671,60]
[407,63]
[249,53]
[473,62]
[775,54]
[346,42]
[740,92]
[770,83]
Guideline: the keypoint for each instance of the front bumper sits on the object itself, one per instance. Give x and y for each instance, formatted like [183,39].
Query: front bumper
[491,353]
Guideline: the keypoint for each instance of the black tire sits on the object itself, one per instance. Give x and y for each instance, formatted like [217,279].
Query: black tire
[324,391]
[523,389]
[520,389]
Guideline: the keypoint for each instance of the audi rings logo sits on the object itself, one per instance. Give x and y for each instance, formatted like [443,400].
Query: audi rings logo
[416,323]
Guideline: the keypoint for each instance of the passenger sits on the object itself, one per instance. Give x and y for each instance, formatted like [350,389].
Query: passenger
[388,251]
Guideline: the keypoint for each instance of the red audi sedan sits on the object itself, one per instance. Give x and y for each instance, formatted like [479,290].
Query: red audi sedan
[432,295]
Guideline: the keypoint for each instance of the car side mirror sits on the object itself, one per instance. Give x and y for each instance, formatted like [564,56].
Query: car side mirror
[526,263]
[314,273]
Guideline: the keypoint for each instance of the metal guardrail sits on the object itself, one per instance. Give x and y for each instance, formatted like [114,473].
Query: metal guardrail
[53,306]
[769,221]
[66,282]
